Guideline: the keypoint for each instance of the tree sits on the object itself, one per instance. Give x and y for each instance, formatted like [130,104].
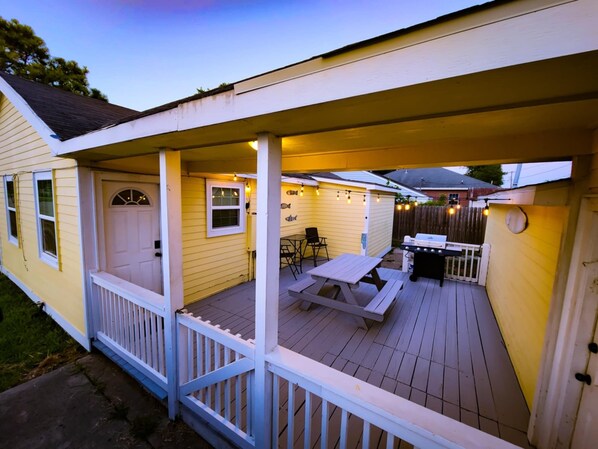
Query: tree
[26,55]
[491,174]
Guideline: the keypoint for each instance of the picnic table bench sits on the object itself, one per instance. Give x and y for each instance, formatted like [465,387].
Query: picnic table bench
[345,272]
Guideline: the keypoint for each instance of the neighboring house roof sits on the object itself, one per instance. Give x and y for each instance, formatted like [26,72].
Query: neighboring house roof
[436,178]
[67,114]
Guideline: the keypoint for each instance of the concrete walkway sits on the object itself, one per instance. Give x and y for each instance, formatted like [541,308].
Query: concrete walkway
[90,403]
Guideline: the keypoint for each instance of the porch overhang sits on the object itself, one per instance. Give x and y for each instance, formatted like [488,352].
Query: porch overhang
[515,114]
[511,83]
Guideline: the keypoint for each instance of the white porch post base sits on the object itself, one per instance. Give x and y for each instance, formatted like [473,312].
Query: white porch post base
[267,280]
[172,264]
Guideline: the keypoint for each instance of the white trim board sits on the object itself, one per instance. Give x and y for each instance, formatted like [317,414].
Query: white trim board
[53,313]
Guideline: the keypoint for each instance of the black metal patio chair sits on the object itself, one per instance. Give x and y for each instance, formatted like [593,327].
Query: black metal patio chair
[288,257]
[316,243]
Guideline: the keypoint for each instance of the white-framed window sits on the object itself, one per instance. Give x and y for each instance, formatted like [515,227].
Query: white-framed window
[225,207]
[45,211]
[11,209]
[453,197]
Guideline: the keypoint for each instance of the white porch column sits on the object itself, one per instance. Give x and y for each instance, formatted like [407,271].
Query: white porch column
[269,158]
[172,263]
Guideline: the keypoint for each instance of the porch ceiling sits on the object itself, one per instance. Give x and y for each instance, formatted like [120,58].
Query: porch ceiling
[532,112]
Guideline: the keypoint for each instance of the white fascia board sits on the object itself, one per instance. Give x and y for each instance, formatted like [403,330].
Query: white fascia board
[550,31]
[299,181]
[361,185]
[32,118]
[459,189]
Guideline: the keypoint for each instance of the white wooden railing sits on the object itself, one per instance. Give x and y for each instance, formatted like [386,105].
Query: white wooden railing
[313,405]
[470,266]
[321,408]
[130,320]
[216,377]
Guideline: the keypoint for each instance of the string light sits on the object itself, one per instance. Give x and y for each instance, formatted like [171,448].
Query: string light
[451,210]
[458,206]
[318,190]
[378,198]
[486,210]
[338,195]
[364,200]
[247,188]
[235,177]
[349,197]
[415,203]
[407,206]
[301,191]
[399,206]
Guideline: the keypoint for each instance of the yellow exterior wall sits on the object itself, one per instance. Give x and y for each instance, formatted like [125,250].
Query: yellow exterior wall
[22,151]
[342,224]
[214,264]
[211,264]
[520,282]
[380,224]
[302,207]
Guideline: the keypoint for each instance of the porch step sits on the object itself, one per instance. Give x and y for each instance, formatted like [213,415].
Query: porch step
[145,381]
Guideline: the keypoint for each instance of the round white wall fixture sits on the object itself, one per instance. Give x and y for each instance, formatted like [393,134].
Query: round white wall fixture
[516,220]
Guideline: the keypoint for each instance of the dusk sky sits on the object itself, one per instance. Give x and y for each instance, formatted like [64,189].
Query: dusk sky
[144,53]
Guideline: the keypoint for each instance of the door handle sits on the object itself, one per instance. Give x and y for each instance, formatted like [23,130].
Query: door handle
[158,254]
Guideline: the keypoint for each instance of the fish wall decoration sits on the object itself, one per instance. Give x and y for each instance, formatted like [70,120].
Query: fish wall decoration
[285,205]
[291,218]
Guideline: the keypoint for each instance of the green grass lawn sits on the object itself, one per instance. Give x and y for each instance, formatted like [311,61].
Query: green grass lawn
[31,343]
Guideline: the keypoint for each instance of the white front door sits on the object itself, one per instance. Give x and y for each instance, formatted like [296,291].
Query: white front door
[132,233]
[585,434]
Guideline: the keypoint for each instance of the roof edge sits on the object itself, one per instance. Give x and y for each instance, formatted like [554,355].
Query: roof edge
[45,132]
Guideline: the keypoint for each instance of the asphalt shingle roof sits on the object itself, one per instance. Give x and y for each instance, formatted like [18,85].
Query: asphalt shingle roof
[67,114]
[435,178]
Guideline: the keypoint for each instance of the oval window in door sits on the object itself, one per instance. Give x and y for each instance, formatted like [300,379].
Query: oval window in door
[130,197]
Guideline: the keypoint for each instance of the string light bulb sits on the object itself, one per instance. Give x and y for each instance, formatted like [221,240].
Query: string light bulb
[349,197]
[378,198]
[399,206]
[407,206]
[318,190]
[247,188]
[486,210]
[415,203]
[301,191]
[458,206]
[451,210]
[338,195]
[364,200]
[235,177]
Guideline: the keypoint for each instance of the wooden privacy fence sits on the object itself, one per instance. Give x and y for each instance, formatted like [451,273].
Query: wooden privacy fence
[467,225]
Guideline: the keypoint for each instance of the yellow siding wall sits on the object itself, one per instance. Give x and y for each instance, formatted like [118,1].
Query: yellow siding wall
[22,151]
[302,207]
[341,223]
[214,264]
[380,224]
[209,264]
[520,281]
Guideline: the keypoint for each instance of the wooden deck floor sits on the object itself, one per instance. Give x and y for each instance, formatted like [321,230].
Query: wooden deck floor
[438,347]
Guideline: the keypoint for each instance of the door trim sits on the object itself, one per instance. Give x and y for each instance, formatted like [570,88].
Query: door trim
[555,408]
[99,178]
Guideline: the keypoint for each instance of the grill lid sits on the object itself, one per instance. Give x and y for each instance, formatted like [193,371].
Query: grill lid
[430,240]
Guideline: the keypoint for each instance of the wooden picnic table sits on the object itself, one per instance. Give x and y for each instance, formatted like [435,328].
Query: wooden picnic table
[345,272]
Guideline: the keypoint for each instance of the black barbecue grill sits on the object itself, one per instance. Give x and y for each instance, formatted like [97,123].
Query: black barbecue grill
[429,254]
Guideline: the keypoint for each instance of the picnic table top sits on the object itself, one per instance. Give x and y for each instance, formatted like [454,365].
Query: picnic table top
[348,268]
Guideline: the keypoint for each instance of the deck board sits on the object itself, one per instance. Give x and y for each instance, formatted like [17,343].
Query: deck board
[439,347]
